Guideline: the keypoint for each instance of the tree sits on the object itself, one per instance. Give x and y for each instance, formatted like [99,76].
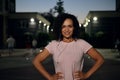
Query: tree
[50,15]
[59,9]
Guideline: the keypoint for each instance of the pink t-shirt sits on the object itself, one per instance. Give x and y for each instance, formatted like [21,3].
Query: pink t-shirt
[68,57]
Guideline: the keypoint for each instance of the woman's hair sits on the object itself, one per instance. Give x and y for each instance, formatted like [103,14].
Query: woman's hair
[57,27]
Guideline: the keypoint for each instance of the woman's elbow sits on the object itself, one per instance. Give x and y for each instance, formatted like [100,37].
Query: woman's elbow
[101,60]
[35,61]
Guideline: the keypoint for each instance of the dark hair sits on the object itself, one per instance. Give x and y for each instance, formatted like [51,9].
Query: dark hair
[58,26]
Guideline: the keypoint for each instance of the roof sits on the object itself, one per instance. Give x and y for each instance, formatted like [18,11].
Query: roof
[21,15]
[103,14]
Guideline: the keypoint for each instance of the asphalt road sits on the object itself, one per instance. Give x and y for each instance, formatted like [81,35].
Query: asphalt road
[21,68]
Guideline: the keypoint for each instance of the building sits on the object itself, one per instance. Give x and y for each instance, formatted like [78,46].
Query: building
[104,25]
[25,25]
[6,7]
[118,5]
[19,24]
[103,21]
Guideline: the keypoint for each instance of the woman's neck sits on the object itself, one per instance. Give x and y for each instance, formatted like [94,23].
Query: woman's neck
[68,40]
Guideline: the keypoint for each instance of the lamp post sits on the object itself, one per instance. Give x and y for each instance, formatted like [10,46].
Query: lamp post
[32,25]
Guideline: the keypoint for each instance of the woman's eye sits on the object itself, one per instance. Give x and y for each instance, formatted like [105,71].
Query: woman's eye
[63,26]
[70,26]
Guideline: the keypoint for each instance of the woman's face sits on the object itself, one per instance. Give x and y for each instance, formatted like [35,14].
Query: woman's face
[67,28]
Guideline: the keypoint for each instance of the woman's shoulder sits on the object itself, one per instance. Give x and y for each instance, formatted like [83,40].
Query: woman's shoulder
[81,40]
[54,42]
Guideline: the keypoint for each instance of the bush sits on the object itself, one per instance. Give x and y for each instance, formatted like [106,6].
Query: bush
[43,39]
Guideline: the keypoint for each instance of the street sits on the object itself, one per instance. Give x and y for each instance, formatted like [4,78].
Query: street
[21,68]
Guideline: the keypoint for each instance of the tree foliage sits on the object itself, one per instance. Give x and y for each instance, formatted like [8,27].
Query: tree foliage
[59,9]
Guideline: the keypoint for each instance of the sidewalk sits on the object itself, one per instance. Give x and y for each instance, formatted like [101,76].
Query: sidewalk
[16,52]
[19,58]
[107,53]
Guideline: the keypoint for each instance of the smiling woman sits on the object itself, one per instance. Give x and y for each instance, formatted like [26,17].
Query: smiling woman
[68,52]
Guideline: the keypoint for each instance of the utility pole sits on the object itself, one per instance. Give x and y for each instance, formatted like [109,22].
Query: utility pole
[4,24]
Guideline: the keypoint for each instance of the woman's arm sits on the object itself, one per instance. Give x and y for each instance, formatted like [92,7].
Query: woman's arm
[37,63]
[98,58]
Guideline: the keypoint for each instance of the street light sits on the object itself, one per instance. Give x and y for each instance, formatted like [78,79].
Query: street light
[44,24]
[40,21]
[95,19]
[32,23]
[48,28]
[32,20]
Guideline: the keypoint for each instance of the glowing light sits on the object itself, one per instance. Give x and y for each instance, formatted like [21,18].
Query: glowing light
[95,18]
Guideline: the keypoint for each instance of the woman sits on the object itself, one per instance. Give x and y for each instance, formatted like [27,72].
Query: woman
[68,51]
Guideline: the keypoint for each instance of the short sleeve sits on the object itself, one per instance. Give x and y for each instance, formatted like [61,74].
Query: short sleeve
[85,45]
[50,47]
